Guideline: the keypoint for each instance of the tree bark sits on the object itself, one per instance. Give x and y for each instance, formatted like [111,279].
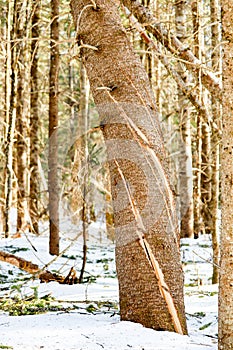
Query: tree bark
[226,261]
[84,161]
[21,121]
[138,168]
[21,263]
[197,155]
[185,157]
[53,132]
[34,120]
[11,116]
[215,138]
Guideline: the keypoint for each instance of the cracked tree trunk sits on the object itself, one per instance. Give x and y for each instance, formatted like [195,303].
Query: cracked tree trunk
[130,125]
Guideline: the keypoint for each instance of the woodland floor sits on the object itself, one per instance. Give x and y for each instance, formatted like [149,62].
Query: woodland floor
[36,315]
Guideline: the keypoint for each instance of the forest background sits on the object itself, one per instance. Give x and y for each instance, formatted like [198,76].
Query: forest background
[53,162]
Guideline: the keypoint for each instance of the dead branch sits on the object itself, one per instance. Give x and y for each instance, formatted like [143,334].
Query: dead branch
[175,46]
[22,264]
[189,93]
[44,276]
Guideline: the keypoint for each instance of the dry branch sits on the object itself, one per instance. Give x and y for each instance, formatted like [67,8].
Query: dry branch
[44,276]
[188,92]
[175,46]
[22,264]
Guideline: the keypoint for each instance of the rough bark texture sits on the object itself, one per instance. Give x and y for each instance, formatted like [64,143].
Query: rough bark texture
[226,263]
[34,120]
[126,106]
[53,131]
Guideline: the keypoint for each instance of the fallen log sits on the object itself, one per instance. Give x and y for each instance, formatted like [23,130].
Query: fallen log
[43,275]
[21,263]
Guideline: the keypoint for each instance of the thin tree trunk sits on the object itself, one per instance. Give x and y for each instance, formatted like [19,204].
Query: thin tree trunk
[206,175]
[21,122]
[34,120]
[84,162]
[146,229]
[7,94]
[197,159]
[53,132]
[225,334]
[185,157]
[11,117]
[215,139]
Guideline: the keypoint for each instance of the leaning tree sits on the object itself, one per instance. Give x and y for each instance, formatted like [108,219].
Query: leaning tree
[147,243]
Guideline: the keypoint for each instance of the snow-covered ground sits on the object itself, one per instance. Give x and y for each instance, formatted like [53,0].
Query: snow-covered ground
[89,315]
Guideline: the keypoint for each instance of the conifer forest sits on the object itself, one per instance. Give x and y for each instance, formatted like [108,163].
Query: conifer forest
[116,126]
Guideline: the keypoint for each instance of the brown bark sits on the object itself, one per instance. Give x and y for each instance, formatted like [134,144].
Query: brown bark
[129,121]
[11,116]
[21,263]
[206,175]
[21,121]
[53,132]
[44,276]
[84,164]
[225,335]
[215,138]
[197,155]
[6,85]
[34,120]
[185,157]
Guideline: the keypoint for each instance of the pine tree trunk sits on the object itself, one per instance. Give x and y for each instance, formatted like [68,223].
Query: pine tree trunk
[142,198]
[84,162]
[225,335]
[21,122]
[185,158]
[11,116]
[197,158]
[34,120]
[215,138]
[7,86]
[53,132]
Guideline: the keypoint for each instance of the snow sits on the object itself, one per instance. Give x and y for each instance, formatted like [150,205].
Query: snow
[74,327]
